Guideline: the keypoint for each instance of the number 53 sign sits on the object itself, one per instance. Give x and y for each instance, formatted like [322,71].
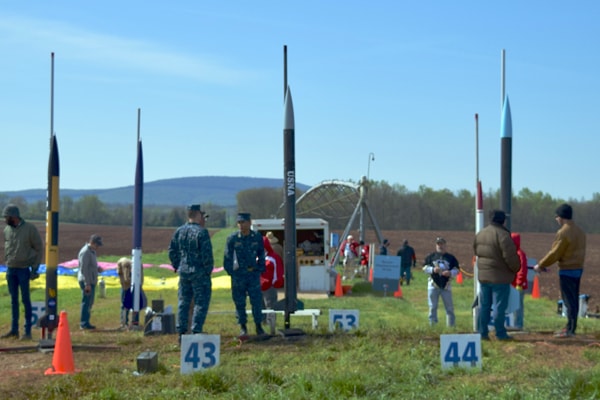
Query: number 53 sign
[460,351]
[38,309]
[343,319]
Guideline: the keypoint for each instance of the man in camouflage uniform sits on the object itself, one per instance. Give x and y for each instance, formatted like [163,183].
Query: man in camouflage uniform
[191,255]
[244,261]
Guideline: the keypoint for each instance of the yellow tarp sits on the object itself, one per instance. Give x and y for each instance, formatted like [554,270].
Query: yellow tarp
[70,282]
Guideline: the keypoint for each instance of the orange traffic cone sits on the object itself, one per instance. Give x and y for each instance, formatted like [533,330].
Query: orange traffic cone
[339,292]
[398,293]
[459,278]
[535,292]
[62,361]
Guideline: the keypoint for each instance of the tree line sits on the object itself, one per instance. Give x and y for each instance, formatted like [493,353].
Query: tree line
[394,207]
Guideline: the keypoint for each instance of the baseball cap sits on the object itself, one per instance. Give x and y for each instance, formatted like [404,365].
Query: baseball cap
[97,240]
[243,217]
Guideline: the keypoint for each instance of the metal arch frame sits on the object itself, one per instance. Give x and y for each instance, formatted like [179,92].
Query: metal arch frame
[329,183]
[361,189]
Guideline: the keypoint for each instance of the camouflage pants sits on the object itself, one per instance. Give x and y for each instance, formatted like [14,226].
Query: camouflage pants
[242,285]
[196,286]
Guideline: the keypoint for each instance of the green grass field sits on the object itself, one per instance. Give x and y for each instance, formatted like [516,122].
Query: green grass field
[394,354]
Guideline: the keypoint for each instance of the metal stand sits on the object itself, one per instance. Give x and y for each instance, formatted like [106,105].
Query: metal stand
[363,206]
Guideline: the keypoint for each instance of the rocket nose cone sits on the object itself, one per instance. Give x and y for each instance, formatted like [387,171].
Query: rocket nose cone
[288,118]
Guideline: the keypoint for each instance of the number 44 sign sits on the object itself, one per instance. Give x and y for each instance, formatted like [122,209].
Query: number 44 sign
[199,352]
[460,350]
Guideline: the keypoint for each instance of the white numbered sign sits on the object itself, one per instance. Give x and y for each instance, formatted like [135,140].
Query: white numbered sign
[460,350]
[156,325]
[199,352]
[343,319]
[38,309]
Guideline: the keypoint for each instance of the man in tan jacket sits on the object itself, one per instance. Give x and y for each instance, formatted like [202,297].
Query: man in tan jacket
[568,249]
[497,265]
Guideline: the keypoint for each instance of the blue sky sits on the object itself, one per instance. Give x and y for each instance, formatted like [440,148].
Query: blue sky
[402,80]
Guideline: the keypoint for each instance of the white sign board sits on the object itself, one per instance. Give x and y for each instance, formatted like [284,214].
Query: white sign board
[199,352]
[156,325]
[314,278]
[345,320]
[38,309]
[386,271]
[460,350]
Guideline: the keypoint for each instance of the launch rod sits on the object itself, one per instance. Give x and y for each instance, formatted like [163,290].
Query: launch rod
[284,71]
[502,78]
[476,148]
[51,96]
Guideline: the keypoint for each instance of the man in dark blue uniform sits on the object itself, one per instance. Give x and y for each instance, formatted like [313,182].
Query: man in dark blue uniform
[191,255]
[244,261]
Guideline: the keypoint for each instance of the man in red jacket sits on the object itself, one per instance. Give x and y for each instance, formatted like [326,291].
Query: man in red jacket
[520,281]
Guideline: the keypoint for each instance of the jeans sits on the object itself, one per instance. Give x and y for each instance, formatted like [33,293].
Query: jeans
[269,301]
[18,278]
[520,313]
[124,310]
[487,293]
[434,294]
[569,288]
[405,273]
[87,301]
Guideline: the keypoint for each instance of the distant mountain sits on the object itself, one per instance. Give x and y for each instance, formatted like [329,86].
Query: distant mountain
[220,190]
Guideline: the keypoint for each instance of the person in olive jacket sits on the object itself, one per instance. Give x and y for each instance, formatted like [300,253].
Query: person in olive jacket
[497,265]
[568,251]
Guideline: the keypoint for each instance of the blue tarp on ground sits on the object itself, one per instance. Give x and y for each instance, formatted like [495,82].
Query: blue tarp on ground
[66,271]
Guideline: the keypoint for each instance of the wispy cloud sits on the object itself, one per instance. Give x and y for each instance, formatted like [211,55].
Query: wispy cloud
[104,49]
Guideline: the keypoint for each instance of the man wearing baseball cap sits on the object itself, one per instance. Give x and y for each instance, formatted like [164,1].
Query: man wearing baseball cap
[497,266]
[22,255]
[244,261]
[88,278]
[568,250]
[190,252]
[441,267]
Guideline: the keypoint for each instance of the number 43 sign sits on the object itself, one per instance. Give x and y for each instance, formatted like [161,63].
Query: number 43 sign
[199,352]
[460,351]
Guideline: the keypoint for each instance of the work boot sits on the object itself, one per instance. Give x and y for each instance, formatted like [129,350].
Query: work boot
[243,330]
[259,330]
[10,335]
